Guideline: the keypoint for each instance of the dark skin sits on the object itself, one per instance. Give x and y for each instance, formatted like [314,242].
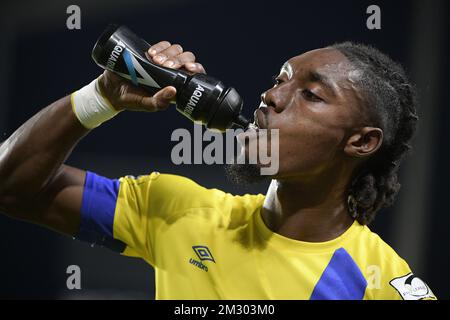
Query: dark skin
[323,140]
[36,186]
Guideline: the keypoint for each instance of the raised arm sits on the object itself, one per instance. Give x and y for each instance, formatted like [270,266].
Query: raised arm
[35,185]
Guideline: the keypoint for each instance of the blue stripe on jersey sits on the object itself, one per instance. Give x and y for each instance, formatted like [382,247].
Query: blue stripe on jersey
[341,280]
[97,212]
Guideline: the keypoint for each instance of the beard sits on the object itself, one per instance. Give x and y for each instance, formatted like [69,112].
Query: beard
[244,174]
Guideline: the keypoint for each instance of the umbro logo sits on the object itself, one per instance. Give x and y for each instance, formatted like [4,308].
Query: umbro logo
[203,253]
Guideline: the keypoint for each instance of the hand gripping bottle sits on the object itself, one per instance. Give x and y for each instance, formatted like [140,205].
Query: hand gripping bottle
[201,98]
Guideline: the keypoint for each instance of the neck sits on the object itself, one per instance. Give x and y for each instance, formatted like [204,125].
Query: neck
[308,209]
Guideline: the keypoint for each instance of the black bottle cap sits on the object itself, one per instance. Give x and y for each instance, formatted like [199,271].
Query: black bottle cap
[242,121]
[228,112]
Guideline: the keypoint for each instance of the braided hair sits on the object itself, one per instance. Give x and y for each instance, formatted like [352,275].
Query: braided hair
[390,103]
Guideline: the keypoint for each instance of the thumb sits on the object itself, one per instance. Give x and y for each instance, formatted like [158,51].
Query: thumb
[161,100]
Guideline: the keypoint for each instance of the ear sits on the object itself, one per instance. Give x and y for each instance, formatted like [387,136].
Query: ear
[364,142]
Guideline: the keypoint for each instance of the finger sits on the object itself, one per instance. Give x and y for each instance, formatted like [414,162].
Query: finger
[180,60]
[157,48]
[160,101]
[172,51]
[195,67]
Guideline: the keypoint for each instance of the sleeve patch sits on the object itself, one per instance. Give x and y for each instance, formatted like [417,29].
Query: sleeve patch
[411,287]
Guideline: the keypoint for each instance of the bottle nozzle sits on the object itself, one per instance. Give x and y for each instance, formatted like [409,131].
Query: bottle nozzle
[242,121]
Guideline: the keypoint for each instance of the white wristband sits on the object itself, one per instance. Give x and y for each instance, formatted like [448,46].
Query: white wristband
[91,107]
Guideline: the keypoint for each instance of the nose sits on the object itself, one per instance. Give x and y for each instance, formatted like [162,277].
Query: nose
[270,99]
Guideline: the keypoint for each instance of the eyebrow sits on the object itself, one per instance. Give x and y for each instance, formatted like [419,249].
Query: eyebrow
[314,76]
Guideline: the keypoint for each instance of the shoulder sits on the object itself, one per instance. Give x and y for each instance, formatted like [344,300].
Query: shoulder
[374,254]
[173,193]
[156,187]
[379,248]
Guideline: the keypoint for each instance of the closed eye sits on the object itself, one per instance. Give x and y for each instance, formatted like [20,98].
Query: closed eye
[276,80]
[310,96]
[306,93]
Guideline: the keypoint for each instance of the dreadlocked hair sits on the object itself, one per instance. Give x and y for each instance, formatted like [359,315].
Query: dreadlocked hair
[390,103]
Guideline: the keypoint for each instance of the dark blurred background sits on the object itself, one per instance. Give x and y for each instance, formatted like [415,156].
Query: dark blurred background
[243,43]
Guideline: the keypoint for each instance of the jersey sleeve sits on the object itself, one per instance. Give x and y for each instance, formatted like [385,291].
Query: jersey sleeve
[126,214]
[100,197]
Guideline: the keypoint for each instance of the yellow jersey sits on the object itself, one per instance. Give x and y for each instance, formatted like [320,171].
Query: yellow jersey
[209,244]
